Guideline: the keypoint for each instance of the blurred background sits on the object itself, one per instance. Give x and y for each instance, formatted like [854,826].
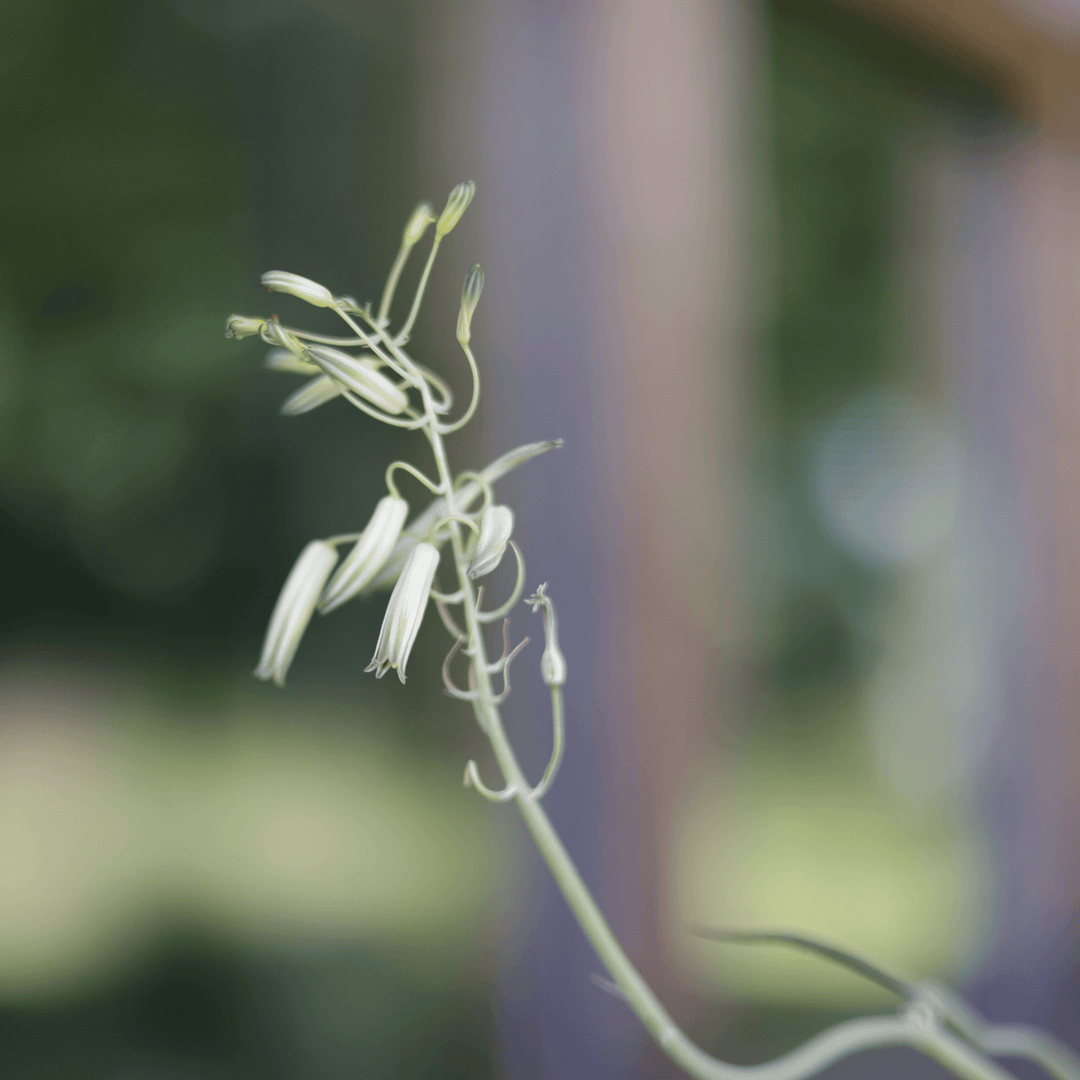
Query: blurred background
[797,281]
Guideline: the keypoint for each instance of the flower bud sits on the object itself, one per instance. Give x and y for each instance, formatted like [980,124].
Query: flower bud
[242,326]
[311,291]
[421,218]
[360,376]
[294,609]
[408,602]
[311,395]
[470,295]
[368,553]
[496,525]
[552,663]
[456,205]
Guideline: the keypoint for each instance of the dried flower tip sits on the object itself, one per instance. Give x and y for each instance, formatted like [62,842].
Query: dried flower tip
[311,395]
[283,360]
[242,326]
[552,663]
[295,285]
[456,205]
[421,218]
[470,295]
[368,554]
[496,525]
[294,609]
[405,611]
[360,376]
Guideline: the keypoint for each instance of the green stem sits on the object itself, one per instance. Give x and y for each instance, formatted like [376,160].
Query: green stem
[910,1029]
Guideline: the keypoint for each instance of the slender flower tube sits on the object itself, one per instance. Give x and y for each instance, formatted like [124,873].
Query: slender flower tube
[368,554]
[359,376]
[295,285]
[294,609]
[496,525]
[552,663]
[408,603]
[311,395]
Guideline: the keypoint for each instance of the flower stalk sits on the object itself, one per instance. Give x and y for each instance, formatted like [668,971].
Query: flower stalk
[389,553]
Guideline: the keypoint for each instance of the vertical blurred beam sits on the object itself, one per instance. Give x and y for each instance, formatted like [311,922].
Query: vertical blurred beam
[607,143]
[667,174]
[1043,935]
[1023,338]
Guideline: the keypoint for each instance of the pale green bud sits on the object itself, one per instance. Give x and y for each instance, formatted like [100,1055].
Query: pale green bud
[470,296]
[311,291]
[242,326]
[311,395]
[421,218]
[456,205]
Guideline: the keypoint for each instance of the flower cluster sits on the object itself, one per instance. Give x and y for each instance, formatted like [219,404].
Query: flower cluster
[369,366]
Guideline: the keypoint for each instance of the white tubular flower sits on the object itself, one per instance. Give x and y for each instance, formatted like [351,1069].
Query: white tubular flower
[361,377]
[407,604]
[496,525]
[456,205]
[311,395]
[294,609]
[552,663]
[295,285]
[470,296]
[242,326]
[368,554]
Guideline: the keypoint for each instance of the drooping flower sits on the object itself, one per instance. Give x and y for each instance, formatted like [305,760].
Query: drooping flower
[368,554]
[360,376]
[408,602]
[311,395]
[295,285]
[496,525]
[294,609]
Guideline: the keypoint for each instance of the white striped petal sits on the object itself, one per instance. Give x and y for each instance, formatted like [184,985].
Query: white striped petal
[294,609]
[408,602]
[359,376]
[311,395]
[368,553]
